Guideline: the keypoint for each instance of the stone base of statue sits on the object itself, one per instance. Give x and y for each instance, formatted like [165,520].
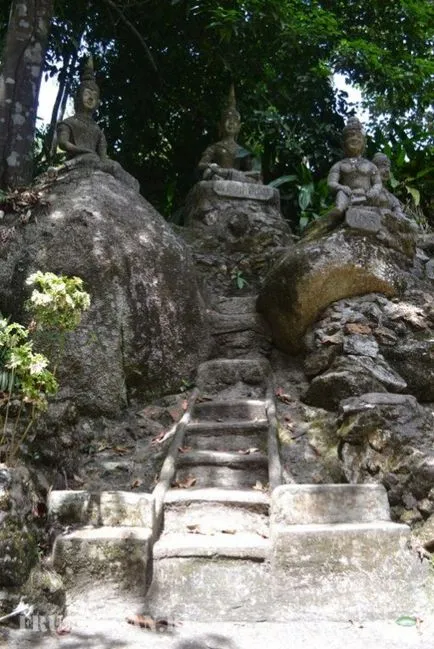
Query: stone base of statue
[93,162]
[394,231]
[236,230]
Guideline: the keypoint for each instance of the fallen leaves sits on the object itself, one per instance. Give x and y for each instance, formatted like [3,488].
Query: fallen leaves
[136,483]
[248,451]
[280,394]
[188,482]
[149,623]
[258,486]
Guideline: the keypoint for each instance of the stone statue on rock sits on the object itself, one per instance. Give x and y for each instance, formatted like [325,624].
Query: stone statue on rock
[82,139]
[355,180]
[226,159]
[386,199]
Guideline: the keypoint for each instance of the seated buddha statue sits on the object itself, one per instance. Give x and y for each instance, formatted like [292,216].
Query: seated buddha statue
[354,179]
[82,139]
[226,159]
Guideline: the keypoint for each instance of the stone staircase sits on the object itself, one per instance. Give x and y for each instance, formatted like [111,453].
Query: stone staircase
[227,541]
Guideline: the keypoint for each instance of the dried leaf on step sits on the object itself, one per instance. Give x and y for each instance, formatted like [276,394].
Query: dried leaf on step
[136,483]
[280,394]
[248,451]
[63,628]
[78,479]
[357,328]
[184,449]
[195,529]
[258,486]
[143,621]
[188,482]
[203,397]
[120,450]
[263,534]
[229,531]
[102,446]
[335,339]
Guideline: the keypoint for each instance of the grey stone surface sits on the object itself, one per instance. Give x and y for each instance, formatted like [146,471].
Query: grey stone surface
[361,345]
[249,409]
[121,553]
[226,512]
[368,220]
[257,192]
[216,375]
[227,436]
[225,477]
[312,275]
[317,504]
[389,438]
[145,303]
[110,508]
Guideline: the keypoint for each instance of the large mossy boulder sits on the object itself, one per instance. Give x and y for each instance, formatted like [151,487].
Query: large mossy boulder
[146,330]
[312,275]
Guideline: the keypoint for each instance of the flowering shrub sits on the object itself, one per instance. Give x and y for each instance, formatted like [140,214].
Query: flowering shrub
[56,304]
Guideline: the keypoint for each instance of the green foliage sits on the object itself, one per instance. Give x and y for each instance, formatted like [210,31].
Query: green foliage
[159,116]
[305,199]
[57,304]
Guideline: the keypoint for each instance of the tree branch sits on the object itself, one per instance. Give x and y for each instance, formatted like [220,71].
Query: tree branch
[136,33]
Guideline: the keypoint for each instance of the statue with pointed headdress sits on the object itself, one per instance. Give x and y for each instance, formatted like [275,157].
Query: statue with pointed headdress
[226,159]
[80,136]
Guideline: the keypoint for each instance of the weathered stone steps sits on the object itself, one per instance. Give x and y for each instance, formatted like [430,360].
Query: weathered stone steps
[220,469]
[105,553]
[227,435]
[243,409]
[213,511]
[106,508]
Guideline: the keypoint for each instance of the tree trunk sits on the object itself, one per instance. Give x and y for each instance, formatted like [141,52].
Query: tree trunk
[20,79]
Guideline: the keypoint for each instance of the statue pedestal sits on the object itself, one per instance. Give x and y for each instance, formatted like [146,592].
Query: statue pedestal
[234,229]
[393,231]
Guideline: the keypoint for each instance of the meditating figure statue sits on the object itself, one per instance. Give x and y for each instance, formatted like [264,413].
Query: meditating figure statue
[385,198]
[80,136]
[226,159]
[355,180]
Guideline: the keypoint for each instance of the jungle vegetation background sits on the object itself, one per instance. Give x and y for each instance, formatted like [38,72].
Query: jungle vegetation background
[165,66]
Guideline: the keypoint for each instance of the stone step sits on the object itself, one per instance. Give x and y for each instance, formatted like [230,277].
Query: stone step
[223,323]
[235,305]
[212,511]
[241,409]
[224,470]
[105,553]
[227,435]
[304,504]
[107,508]
[204,578]
[345,571]
[241,345]
[217,375]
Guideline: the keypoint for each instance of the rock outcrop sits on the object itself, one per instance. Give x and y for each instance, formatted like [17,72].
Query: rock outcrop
[146,329]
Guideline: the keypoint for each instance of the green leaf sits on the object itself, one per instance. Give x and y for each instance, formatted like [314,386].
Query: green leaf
[415,194]
[303,221]
[406,620]
[305,196]
[283,179]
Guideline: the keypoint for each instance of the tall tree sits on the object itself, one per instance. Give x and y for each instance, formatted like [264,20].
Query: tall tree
[20,79]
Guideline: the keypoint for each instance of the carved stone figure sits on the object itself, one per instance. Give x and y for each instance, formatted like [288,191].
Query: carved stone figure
[355,180]
[80,136]
[226,159]
[385,198]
